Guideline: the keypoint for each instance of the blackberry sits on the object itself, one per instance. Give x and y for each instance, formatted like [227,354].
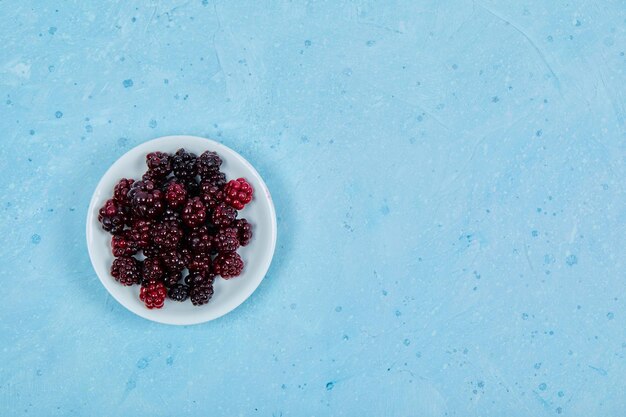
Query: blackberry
[226,240]
[120,192]
[153,294]
[216,178]
[208,163]
[184,165]
[147,199]
[199,240]
[123,244]
[244,231]
[223,215]
[152,270]
[173,261]
[211,194]
[200,263]
[194,213]
[113,216]
[228,265]
[171,216]
[125,270]
[179,292]
[238,193]
[196,279]
[171,278]
[166,236]
[151,252]
[201,295]
[176,194]
[159,164]
[140,233]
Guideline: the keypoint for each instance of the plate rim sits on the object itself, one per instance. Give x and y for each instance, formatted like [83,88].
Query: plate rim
[267,196]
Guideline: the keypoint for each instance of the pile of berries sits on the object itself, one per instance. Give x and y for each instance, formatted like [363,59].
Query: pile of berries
[176,228]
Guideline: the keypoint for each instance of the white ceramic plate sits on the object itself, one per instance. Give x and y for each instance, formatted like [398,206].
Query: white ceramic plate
[257,255]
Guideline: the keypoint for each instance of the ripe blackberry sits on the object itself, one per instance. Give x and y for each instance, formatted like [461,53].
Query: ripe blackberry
[152,270]
[159,164]
[140,233]
[113,216]
[176,194]
[151,252]
[199,240]
[123,244]
[228,265]
[201,295]
[238,193]
[195,279]
[179,292]
[153,294]
[208,163]
[173,261]
[226,240]
[223,215]
[244,231]
[166,236]
[125,270]
[194,213]
[184,165]
[201,263]
[120,192]
[171,278]
[217,178]
[211,194]
[147,199]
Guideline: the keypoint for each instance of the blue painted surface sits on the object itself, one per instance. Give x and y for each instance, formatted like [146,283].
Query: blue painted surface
[449,182]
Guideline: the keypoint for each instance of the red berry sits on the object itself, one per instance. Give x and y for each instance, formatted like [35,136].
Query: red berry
[176,195]
[120,192]
[238,193]
[159,164]
[113,216]
[125,270]
[124,245]
[228,265]
[153,294]
[223,215]
[226,240]
[244,231]
[194,213]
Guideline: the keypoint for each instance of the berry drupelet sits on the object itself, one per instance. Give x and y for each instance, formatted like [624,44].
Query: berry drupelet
[223,215]
[228,265]
[194,213]
[238,193]
[125,270]
[244,231]
[147,199]
[153,294]
[113,216]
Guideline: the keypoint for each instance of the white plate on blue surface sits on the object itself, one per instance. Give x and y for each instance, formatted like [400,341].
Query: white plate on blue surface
[257,255]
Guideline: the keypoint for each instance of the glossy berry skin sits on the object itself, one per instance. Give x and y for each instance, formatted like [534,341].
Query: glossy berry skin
[125,270]
[211,194]
[166,236]
[141,232]
[153,294]
[208,163]
[159,164]
[179,292]
[184,165]
[152,270]
[173,261]
[176,195]
[120,192]
[244,231]
[123,244]
[194,213]
[195,279]
[223,215]
[238,193]
[200,295]
[113,216]
[228,265]
[226,240]
[147,200]
[201,263]
[199,240]
[171,278]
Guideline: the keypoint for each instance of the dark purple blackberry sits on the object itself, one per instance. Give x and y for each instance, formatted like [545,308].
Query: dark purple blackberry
[120,192]
[140,233]
[212,195]
[223,215]
[113,216]
[216,178]
[244,231]
[159,164]
[201,263]
[226,240]
[199,240]
[152,270]
[179,292]
[195,279]
[123,244]
[173,261]
[194,213]
[147,199]
[201,295]
[125,270]
[208,163]
[184,165]
[228,265]
[151,252]
[171,278]
[166,236]
[172,216]
[176,195]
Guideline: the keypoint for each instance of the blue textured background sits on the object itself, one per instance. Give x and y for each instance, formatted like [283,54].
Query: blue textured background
[449,184]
